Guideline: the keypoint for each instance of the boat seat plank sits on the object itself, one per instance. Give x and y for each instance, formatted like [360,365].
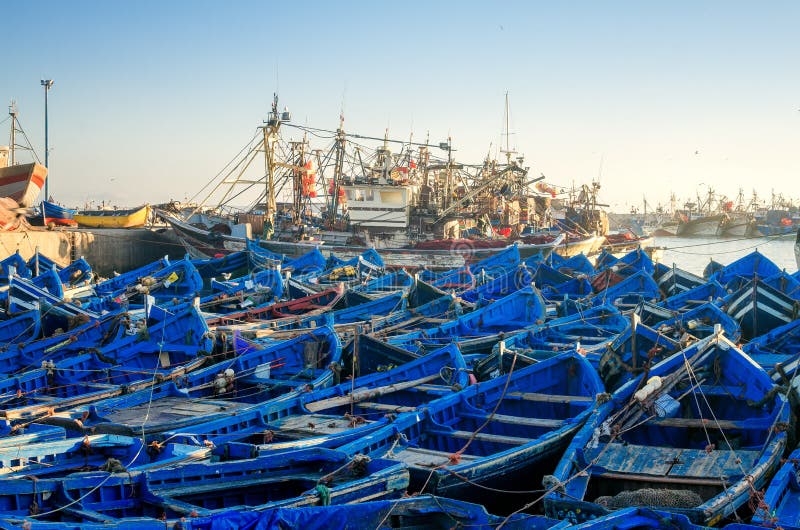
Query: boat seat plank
[634,459]
[550,398]
[418,456]
[312,424]
[434,388]
[710,423]
[384,406]
[481,437]
[697,463]
[256,380]
[547,423]
[163,409]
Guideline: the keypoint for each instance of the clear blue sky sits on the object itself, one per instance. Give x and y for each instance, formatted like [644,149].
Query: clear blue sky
[152,98]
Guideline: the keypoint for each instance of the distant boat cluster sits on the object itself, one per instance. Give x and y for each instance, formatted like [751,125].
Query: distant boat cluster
[719,217]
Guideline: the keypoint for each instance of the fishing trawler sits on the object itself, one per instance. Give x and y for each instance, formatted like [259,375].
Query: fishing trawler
[418,209]
[20,182]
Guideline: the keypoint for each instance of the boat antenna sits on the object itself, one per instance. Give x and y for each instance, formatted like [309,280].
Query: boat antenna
[508,152]
[12,112]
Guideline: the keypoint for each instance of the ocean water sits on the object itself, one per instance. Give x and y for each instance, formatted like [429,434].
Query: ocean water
[693,254]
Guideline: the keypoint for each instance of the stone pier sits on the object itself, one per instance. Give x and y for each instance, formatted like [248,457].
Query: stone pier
[107,250]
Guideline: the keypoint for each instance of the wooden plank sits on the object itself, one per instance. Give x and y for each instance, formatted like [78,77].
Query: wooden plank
[550,398]
[663,480]
[313,424]
[367,394]
[434,388]
[519,420]
[635,459]
[707,423]
[483,437]
[384,406]
[418,456]
[696,463]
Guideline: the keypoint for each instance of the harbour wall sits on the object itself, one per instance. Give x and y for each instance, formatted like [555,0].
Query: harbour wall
[108,250]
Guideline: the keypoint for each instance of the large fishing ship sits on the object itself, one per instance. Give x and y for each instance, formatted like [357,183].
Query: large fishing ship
[418,205]
[20,182]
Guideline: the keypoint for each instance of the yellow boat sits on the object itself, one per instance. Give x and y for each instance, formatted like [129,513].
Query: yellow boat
[114,218]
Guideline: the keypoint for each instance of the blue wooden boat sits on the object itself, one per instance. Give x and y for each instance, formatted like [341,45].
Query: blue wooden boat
[700,322]
[745,269]
[674,281]
[786,283]
[423,511]
[595,326]
[498,434]
[257,374]
[760,308]
[583,332]
[778,351]
[445,308]
[455,280]
[781,500]
[696,438]
[577,264]
[637,287]
[498,263]
[103,452]
[54,214]
[395,281]
[639,519]
[113,333]
[575,288]
[120,282]
[14,265]
[260,257]
[22,328]
[233,264]
[317,302]
[635,351]
[302,478]
[310,262]
[129,523]
[547,276]
[16,356]
[25,295]
[632,262]
[90,376]
[710,291]
[330,417]
[369,308]
[178,280]
[514,312]
[499,287]
[20,434]
[268,282]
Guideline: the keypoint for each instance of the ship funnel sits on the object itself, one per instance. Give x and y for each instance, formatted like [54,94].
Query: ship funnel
[4,150]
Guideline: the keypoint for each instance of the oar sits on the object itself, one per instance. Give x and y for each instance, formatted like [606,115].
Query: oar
[363,395]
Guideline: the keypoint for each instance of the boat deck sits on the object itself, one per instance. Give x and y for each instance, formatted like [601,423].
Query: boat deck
[626,461]
[170,409]
[308,425]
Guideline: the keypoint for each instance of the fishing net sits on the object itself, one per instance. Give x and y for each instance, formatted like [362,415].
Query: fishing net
[657,498]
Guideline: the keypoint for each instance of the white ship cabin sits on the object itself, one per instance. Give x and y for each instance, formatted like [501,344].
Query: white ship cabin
[380,207]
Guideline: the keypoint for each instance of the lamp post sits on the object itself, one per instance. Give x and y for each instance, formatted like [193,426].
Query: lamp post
[47,84]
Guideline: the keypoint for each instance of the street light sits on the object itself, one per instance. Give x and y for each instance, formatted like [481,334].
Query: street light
[47,84]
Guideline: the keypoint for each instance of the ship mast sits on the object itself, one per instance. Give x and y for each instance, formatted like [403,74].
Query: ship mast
[337,170]
[508,152]
[12,111]
[271,128]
